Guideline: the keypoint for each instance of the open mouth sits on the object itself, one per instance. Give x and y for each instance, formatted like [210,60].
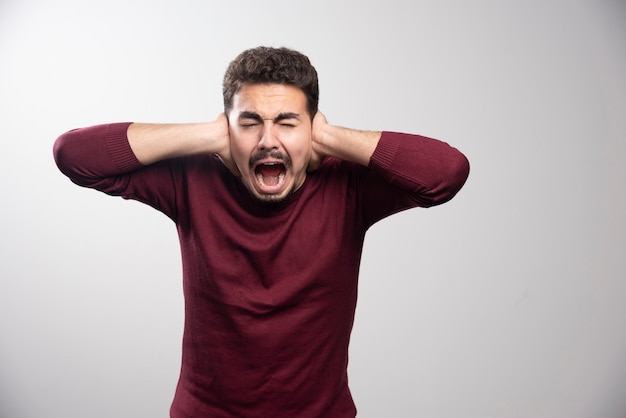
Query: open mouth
[270,176]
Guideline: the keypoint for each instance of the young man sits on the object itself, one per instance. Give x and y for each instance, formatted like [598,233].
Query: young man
[271,204]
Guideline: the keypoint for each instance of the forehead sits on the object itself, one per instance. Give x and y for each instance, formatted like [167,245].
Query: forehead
[269,99]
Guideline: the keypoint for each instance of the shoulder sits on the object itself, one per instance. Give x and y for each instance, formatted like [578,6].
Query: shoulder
[334,171]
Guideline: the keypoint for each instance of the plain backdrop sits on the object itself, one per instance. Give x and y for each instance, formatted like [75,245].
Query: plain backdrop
[506,302]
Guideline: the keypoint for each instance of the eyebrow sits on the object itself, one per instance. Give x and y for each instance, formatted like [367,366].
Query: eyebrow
[255,116]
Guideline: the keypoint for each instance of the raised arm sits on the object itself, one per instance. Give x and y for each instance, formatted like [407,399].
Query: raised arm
[430,170]
[155,142]
[88,154]
[342,143]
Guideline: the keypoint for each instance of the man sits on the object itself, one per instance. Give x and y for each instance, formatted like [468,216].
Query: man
[271,204]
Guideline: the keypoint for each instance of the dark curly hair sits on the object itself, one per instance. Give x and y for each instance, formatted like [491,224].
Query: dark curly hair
[271,65]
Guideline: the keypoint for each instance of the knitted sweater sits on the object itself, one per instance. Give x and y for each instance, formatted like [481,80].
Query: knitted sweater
[270,290]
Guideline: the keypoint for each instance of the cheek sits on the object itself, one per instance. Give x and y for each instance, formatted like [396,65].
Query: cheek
[306,153]
[306,156]
[240,150]
[300,149]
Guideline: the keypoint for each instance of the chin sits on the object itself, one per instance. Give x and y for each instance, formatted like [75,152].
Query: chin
[272,198]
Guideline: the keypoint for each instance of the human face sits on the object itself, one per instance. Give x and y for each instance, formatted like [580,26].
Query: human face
[270,139]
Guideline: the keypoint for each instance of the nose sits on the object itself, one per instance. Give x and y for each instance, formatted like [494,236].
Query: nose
[268,138]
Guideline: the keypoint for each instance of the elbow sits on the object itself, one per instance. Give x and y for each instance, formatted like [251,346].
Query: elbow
[62,154]
[68,151]
[458,174]
[454,175]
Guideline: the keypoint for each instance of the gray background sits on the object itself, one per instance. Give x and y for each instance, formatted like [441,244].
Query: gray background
[506,302]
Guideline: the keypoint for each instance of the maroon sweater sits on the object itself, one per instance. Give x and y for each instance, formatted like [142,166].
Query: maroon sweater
[270,291]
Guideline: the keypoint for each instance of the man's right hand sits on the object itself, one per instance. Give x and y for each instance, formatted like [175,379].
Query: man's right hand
[222,138]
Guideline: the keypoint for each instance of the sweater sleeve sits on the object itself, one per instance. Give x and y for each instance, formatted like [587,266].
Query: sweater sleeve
[100,157]
[407,171]
[430,170]
[89,155]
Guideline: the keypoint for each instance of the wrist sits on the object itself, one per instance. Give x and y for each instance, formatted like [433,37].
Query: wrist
[323,138]
[347,144]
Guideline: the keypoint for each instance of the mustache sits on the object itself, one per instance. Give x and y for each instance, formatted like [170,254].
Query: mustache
[277,155]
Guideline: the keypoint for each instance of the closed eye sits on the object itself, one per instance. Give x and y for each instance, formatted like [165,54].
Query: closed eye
[249,119]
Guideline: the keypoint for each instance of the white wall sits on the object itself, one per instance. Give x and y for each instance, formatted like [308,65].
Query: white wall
[506,302]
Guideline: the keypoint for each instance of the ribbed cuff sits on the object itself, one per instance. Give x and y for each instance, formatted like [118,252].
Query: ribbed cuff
[116,141]
[386,150]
